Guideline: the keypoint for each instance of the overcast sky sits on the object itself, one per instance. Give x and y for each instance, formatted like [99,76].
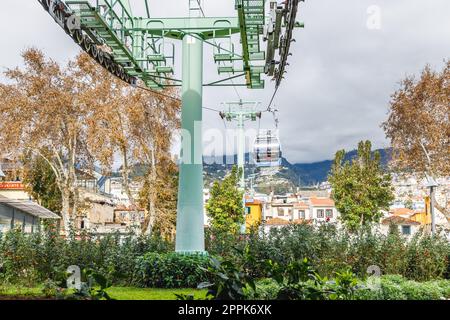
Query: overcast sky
[341,74]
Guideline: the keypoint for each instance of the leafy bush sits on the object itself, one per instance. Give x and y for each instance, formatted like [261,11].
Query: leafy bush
[330,249]
[396,287]
[428,257]
[266,289]
[421,291]
[30,259]
[170,270]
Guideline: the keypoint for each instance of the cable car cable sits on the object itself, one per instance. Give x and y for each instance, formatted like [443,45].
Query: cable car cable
[158,93]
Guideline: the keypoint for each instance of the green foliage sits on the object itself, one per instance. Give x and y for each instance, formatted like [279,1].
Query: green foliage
[230,282]
[330,250]
[428,257]
[396,287]
[40,181]
[296,281]
[225,205]
[334,254]
[266,289]
[29,259]
[93,288]
[170,270]
[50,288]
[360,188]
[299,281]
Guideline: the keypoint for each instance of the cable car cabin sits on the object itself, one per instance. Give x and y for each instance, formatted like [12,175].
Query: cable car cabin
[267,150]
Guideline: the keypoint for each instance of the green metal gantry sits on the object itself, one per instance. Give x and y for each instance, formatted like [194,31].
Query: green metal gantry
[241,112]
[135,48]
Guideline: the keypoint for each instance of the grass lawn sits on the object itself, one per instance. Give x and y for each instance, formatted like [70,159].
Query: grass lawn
[20,291]
[121,293]
[118,293]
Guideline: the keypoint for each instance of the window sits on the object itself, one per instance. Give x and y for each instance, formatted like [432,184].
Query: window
[302,214]
[247,210]
[320,214]
[329,213]
[281,212]
[406,230]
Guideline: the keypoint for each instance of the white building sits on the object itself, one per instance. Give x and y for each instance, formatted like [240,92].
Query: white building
[18,210]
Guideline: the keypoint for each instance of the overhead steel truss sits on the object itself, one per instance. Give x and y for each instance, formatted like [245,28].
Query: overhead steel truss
[136,48]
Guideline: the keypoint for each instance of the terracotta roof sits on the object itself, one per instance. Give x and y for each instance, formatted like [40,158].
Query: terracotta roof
[252,201]
[322,202]
[402,211]
[399,220]
[301,205]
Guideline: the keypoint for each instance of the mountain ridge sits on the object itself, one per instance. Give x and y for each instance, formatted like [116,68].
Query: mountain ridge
[298,174]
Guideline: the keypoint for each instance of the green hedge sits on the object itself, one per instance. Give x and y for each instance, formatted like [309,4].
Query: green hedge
[330,250]
[143,261]
[32,259]
[170,270]
[390,287]
[395,287]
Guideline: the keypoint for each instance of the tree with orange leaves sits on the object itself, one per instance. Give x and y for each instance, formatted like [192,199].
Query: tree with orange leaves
[80,115]
[419,127]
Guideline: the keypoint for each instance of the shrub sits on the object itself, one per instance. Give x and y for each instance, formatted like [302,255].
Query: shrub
[396,287]
[427,257]
[421,291]
[170,270]
[30,259]
[266,289]
[329,250]
[444,285]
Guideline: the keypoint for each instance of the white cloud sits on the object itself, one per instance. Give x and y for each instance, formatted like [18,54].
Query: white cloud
[340,77]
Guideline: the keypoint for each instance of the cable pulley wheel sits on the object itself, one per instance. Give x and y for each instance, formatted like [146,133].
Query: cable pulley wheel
[101,58]
[94,51]
[79,37]
[87,44]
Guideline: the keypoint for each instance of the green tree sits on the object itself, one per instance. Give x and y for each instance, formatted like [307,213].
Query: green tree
[361,189]
[225,205]
[40,181]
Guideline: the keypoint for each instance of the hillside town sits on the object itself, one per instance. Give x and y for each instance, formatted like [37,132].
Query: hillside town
[108,209]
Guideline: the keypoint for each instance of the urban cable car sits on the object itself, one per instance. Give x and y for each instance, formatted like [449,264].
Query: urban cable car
[267,149]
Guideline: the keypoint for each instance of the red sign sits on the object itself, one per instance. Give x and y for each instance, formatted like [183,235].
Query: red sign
[11,186]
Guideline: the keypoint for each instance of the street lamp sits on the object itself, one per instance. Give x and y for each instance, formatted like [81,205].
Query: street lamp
[431,184]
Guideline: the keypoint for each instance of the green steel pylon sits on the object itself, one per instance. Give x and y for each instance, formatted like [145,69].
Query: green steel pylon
[240,112]
[135,48]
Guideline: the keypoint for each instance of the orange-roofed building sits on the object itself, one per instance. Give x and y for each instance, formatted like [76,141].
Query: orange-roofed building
[323,209]
[406,226]
[404,212]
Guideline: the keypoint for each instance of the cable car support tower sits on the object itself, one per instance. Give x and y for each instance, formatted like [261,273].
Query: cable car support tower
[137,50]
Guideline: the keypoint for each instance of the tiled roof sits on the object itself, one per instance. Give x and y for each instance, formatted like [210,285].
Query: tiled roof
[399,220]
[402,211]
[322,202]
[253,201]
[301,205]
